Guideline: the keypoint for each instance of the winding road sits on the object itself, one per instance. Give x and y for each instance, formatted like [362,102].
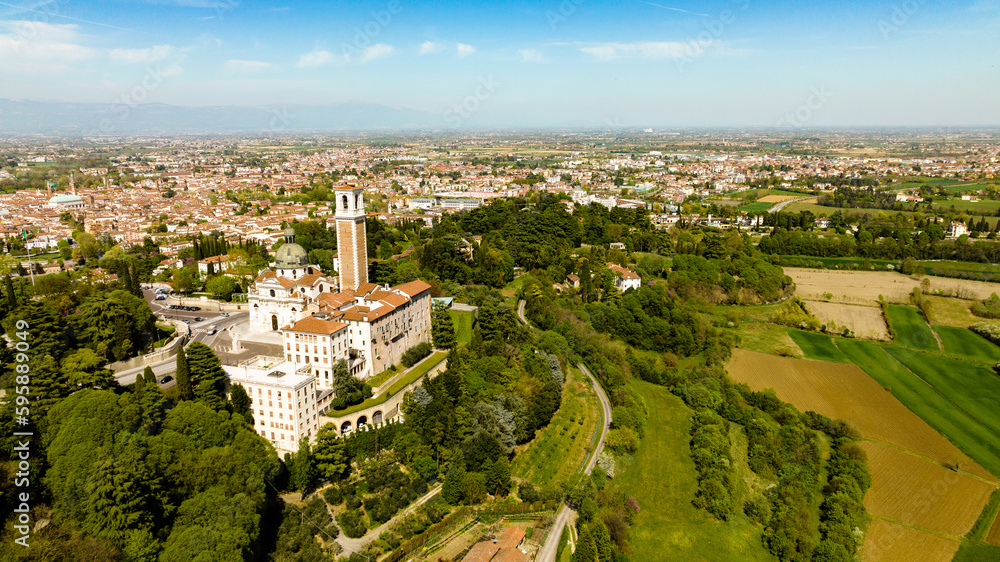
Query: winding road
[784,204]
[566,514]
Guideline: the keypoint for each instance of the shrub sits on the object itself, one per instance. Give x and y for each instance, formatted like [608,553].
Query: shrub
[989,330]
[987,308]
[416,353]
[333,495]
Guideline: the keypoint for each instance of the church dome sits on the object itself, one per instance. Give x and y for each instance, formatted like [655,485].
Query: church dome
[67,198]
[290,254]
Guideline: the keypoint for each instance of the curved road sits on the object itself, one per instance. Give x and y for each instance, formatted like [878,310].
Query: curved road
[783,204]
[566,514]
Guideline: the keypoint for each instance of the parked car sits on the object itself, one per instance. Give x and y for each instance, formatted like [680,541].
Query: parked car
[160,298]
[166,379]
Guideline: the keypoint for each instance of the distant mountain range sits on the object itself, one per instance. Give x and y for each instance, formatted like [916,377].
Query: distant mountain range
[20,117]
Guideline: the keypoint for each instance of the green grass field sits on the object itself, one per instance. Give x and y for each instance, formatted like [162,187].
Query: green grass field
[756,207]
[559,450]
[971,386]
[966,433]
[462,320]
[661,476]
[817,346]
[911,329]
[973,549]
[960,342]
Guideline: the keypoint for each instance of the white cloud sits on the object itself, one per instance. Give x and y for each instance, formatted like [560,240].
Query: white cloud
[530,55]
[151,54]
[322,57]
[239,65]
[316,58]
[646,49]
[41,48]
[428,47]
[375,52]
[465,50]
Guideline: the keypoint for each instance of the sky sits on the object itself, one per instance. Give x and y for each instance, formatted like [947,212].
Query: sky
[629,63]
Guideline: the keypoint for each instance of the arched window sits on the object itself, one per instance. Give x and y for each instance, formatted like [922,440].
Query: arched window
[321,287]
[274,322]
[272,292]
[345,202]
[357,202]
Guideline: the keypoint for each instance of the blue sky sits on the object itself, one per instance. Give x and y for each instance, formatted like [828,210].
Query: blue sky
[558,62]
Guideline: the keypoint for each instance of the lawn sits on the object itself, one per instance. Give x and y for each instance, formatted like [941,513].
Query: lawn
[911,329]
[817,346]
[462,320]
[960,342]
[661,476]
[560,449]
[971,386]
[385,375]
[966,433]
[756,207]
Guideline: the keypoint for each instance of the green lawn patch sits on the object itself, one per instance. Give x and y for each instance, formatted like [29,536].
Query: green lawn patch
[462,320]
[756,207]
[960,342]
[911,329]
[385,375]
[559,450]
[971,386]
[817,346]
[420,370]
[661,476]
[973,438]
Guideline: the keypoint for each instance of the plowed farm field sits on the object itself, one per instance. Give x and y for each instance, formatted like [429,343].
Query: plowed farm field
[864,287]
[865,321]
[889,542]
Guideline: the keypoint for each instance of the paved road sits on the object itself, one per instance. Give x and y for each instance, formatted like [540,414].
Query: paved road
[566,515]
[520,311]
[220,342]
[783,204]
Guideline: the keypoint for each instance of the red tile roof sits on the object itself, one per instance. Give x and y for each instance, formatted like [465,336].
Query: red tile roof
[313,325]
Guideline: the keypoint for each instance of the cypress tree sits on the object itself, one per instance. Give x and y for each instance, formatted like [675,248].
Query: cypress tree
[140,383]
[8,285]
[136,287]
[150,376]
[183,376]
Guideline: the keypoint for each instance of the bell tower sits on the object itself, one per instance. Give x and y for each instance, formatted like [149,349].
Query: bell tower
[352,244]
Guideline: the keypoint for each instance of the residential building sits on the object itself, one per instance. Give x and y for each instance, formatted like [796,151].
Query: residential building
[625,279]
[285,400]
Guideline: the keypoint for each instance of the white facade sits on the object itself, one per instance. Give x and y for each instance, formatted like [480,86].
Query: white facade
[317,344]
[280,297]
[285,401]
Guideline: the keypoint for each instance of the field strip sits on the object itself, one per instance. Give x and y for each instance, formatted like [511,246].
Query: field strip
[889,542]
[957,407]
[930,460]
[916,527]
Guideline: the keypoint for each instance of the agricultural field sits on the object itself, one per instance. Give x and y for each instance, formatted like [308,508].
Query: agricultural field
[561,448]
[971,386]
[923,400]
[768,338]
[889,542]
[846,392]
[949,311]
[756,207]
[662,477]
[900,491]
[911,329]
[864,287]
[863,321]
[776,198]
[817,346]
[960,342]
